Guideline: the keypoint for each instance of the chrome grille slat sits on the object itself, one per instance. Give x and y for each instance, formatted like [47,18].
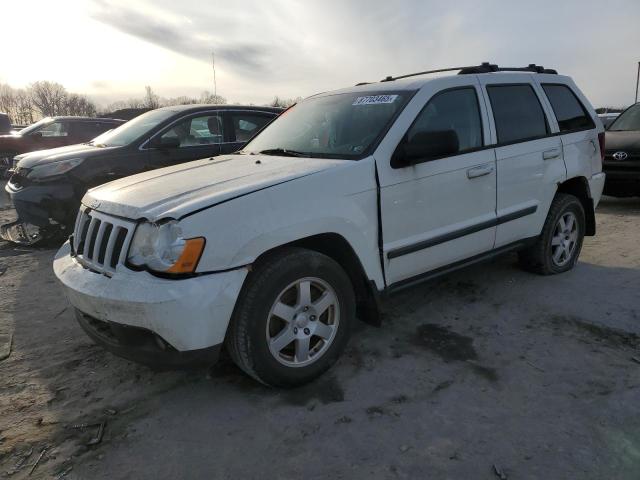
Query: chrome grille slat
[97,232]
[111,242]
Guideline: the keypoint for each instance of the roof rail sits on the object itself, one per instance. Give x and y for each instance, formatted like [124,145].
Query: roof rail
[484,67]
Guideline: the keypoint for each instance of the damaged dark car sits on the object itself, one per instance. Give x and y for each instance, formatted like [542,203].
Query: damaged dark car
[46,186]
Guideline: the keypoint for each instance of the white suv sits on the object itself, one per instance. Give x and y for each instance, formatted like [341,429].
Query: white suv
[273,251]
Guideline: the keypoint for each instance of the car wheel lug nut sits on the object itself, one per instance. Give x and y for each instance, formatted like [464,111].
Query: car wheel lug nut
[306,308]
[312,318]
[306,331]
[295,330]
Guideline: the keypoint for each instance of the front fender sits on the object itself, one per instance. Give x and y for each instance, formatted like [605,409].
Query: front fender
[341,200]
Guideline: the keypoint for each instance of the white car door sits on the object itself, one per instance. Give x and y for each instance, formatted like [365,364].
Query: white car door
[528,155]
[440,209]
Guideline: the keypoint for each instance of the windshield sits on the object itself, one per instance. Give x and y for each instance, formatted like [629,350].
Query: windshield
[628,120]
[334,126]
[35,126]
[132,130]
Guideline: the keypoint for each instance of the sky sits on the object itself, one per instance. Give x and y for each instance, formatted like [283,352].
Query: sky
[110,49]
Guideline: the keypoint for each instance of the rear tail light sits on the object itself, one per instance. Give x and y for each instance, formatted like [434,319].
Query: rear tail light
[601,142]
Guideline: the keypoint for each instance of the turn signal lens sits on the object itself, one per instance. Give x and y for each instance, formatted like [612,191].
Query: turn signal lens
[190,256]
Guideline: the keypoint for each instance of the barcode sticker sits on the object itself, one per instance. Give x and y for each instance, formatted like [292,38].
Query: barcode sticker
[375,99]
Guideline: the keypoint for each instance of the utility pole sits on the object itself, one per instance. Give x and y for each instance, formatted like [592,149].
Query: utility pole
[215,87]
[637,81]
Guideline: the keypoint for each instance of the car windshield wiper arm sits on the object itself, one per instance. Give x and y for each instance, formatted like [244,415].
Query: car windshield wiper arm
[283,152]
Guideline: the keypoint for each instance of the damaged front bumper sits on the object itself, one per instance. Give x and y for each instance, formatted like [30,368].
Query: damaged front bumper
[40,203]
[181,316]
[45,211]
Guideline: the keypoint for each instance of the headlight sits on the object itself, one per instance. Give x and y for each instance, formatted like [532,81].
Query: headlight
[162,248]
[54,168]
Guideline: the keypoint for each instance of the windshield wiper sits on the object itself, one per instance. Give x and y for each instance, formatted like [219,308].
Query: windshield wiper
[284,152]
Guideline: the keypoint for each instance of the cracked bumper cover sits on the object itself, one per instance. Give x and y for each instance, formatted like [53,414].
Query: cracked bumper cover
[188,314]
[37,203]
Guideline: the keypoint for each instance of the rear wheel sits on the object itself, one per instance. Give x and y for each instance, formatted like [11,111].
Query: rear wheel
[293,318]
[558,247]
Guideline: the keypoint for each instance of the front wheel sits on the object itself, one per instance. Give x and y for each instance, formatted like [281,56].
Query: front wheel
[292,319]
[557,248]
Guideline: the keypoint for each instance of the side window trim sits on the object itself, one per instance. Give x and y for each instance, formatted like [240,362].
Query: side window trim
[549,131]
[481,117]
[584,109]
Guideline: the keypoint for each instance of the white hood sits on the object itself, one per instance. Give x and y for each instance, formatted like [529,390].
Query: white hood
[173,192]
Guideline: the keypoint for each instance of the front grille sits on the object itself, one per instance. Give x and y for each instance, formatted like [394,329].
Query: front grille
[100,241]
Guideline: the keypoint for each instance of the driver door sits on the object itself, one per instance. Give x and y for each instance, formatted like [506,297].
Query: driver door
[439,210]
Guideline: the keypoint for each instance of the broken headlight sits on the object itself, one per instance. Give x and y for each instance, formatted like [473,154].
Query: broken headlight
[161,247]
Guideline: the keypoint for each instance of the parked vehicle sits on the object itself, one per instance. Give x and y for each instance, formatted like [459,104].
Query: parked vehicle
[607,118]
[622,156]
[5,124]
[50,133]
[46,187]
[345,197]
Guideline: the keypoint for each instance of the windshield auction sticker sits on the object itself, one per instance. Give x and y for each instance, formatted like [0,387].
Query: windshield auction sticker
[375,99]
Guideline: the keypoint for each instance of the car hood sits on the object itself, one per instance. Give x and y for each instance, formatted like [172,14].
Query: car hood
[622,141]
[40,157]
[175,191]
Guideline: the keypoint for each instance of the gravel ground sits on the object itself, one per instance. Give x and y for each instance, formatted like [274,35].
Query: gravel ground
[484,372]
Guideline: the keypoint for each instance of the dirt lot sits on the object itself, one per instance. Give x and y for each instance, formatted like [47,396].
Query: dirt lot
[487,371]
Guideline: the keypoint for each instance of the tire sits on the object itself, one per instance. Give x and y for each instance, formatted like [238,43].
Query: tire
[271,293]
[542,257]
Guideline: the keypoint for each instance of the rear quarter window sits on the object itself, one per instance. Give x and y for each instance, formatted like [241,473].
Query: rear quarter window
[517,113]
[570,113]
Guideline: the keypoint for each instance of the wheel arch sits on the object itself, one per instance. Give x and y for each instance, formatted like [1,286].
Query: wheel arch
[579,188]
[339,249]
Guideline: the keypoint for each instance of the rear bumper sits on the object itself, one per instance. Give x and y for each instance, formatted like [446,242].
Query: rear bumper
[188,314]
[596,186]
[39,204]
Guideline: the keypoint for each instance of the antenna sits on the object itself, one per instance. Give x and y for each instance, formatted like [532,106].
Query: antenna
[213,63]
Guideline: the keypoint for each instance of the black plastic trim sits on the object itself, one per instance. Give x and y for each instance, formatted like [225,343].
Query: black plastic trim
[398,252]
[423,277]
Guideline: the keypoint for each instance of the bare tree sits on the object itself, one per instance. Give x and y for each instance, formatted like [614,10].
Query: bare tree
[151,100]
[48,98]
[210,98]
[284,102]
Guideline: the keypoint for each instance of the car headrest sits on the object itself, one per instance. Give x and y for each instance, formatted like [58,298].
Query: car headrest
[214,126]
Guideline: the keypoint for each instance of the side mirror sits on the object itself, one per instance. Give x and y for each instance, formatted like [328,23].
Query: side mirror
[166,143]
[424,146]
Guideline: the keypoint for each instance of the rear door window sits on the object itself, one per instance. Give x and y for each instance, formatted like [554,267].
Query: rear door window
[247,124]
[569,112]
[517,113]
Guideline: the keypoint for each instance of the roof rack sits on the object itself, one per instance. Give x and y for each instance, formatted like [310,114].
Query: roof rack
[484,67]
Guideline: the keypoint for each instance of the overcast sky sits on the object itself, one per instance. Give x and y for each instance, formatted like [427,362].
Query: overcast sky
[111,49]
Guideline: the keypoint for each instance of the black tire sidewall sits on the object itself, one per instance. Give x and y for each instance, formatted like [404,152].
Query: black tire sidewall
[265,366]
[573,205]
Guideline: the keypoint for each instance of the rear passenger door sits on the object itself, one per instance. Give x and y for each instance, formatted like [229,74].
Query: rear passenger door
[441,209]
[241,126]
[528,156]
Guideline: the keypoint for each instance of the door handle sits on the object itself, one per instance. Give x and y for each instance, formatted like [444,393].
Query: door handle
[549,154]
[480,171]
